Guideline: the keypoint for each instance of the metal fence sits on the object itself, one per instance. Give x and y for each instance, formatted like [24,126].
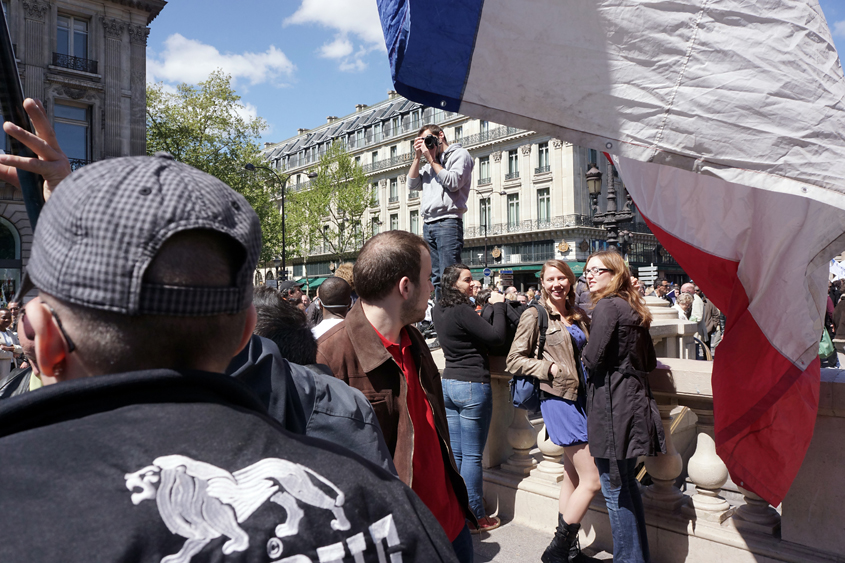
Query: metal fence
[387,163]
[75,63]
[491,135]
[77,163]
[559,222]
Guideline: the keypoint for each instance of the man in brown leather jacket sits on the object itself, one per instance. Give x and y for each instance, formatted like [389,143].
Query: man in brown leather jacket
[377,351]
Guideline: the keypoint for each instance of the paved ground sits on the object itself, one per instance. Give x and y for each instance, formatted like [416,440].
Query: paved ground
[514,543]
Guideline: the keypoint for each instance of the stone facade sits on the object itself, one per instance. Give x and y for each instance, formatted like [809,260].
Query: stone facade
[530,188]
[105,89]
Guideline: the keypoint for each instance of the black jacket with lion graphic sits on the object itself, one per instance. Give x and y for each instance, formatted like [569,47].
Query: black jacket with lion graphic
[146,465]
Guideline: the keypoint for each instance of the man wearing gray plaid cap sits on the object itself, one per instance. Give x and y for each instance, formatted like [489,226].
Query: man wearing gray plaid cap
[143,269]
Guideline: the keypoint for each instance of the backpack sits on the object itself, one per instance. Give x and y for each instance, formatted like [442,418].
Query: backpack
[525,389]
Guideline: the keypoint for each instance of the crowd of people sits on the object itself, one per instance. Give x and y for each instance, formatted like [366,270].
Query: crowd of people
[185,412]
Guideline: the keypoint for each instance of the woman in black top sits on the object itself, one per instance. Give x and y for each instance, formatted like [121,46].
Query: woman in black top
[464,338]
[623,420]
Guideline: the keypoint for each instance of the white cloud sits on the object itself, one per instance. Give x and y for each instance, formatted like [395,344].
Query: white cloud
[352,20]
[247,111]
[339,48]
[187,60]
[839,29]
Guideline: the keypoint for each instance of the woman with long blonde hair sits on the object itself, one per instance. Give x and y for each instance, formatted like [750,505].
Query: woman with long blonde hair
[563,398]
[624,422]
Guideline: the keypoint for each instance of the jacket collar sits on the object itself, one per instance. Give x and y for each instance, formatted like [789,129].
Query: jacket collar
[368,347]
[369,350]
[82,397]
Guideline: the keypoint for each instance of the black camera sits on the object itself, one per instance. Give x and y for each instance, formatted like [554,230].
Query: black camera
[431,141]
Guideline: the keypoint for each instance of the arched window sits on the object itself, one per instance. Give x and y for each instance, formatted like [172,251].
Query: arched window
[10,261]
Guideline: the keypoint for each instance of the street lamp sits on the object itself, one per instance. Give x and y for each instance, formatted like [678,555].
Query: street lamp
[611,218]
[486,221]
[282,184]
[277,261]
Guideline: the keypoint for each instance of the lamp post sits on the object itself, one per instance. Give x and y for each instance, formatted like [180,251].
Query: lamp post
[611,218]
[283,184]
[485,221]
[277,261]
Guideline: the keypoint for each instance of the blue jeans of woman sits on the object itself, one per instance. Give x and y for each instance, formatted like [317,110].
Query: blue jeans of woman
[625,509]
[469,407]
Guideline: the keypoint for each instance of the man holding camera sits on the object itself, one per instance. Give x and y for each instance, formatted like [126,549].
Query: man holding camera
[445,182]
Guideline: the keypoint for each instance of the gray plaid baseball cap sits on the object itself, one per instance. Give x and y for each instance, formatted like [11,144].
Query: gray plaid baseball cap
[104,224]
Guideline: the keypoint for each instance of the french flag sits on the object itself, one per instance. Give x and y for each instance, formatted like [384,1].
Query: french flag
[726,120]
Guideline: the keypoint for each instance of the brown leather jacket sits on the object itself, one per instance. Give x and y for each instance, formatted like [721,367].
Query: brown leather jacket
[355,354]
[558,350]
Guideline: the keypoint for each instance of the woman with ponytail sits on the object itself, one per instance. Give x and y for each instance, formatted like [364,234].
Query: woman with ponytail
[624,422]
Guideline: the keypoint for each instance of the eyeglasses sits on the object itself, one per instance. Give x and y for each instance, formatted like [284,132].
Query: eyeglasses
[595,271]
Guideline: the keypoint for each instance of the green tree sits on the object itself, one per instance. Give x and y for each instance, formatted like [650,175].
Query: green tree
[331,210]
[204,126]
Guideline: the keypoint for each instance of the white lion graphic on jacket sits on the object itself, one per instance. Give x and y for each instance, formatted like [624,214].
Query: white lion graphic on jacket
[201,502]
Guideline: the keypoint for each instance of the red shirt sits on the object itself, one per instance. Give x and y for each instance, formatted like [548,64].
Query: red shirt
[430,481]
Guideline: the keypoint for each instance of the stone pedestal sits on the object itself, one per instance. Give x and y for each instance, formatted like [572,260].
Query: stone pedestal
[707,470]
[664,469]
[551,467]
[521,437]
[756,515]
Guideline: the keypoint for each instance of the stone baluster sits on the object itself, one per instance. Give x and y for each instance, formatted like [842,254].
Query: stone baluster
[664,469]
[551,467]
[708,473]
[756,514]
[521,438]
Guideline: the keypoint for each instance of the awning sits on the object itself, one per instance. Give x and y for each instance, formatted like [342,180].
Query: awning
[315,282]
[577,268]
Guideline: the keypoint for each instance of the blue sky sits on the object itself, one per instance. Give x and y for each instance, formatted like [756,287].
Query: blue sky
[295,62]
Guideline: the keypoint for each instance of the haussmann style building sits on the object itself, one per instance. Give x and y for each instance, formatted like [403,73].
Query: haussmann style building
[86,61]
[529,200]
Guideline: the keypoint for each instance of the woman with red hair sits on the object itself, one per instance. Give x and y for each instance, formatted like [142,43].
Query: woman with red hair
[624,422]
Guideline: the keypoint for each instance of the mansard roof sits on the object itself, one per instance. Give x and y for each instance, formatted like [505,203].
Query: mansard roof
[359,119]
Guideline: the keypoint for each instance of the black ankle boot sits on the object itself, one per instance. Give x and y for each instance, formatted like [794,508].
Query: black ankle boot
[564,545]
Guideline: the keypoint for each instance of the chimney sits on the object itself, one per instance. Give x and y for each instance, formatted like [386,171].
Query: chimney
[331,119]
[359,107]
[300,131]
[266,144]
[391,94]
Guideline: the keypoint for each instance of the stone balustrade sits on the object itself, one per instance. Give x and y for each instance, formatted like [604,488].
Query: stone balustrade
[693,511]
[672,337]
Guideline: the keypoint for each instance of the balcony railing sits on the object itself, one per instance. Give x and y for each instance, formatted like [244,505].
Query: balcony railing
[77,163]
[414,194]
[560,222]
[541,169]
[75,63]
[388,162]
[491,135]
[299,187]
[512,176]
[484,181]
[393,199]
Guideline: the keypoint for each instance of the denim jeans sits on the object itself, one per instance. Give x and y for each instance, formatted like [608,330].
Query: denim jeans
[445,240]
[463,546]
[469,407]
[625,509]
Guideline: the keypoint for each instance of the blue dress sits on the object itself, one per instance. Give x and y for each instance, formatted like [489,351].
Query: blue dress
[566,421]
